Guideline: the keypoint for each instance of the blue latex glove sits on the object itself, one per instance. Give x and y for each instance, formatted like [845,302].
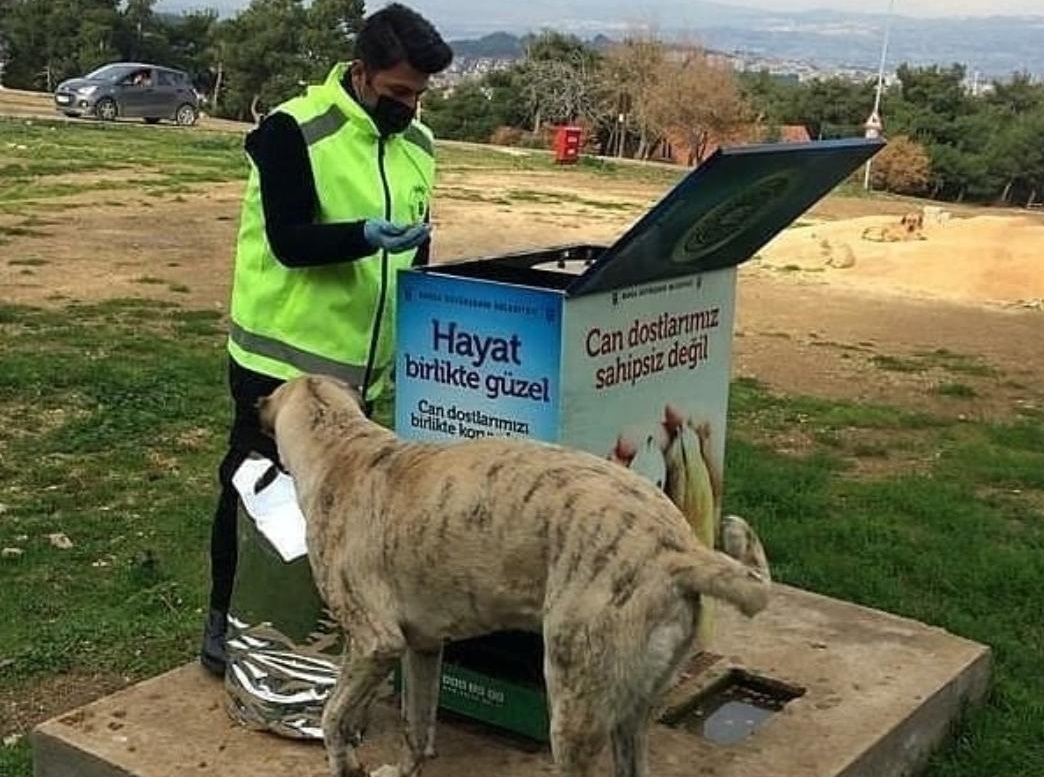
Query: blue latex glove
[393,237]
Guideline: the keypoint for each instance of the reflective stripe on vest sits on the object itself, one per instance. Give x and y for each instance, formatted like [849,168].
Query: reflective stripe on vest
[331,122]
[324,125]
[288,354]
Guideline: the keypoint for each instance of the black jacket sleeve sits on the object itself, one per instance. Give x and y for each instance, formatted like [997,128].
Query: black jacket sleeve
[290,202]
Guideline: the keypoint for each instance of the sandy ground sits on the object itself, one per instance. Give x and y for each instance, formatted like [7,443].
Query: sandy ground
[996,259]
[819,330]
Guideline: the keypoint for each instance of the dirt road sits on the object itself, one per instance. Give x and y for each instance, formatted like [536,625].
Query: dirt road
[38,105]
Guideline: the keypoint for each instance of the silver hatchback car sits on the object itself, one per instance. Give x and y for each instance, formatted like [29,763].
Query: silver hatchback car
[130,90]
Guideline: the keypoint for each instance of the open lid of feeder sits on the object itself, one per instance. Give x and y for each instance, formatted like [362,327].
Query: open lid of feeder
[726,209]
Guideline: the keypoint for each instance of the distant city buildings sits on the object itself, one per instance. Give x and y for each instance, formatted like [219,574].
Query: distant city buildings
[467,67]
[471,68]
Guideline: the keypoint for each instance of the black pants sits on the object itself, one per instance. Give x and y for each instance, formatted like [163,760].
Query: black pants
[245,437]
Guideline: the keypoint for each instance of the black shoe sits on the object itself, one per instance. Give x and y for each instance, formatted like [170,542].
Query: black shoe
[212,653]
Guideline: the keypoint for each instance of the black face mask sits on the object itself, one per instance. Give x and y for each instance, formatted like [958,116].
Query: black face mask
[391,116]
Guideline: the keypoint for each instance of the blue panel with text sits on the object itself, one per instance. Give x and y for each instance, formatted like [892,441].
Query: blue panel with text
[476,359]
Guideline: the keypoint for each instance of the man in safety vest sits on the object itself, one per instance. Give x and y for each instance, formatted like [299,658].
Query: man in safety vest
[337,202]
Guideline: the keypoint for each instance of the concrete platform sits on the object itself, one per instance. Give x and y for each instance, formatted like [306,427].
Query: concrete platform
[880,694]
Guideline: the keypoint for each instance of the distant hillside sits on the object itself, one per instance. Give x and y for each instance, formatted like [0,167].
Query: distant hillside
[996,45]
[223,7]
[504,45]
[499,45]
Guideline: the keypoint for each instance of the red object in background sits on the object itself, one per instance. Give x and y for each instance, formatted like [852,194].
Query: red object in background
[567,145]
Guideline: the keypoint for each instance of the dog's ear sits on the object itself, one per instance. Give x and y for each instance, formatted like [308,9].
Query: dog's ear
[354,392]
[356,395]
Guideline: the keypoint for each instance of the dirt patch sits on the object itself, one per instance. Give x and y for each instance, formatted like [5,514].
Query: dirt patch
[484,213]
[834,338]
[1029,504]
[840,208]
[22,708]
[875,453]
[801,332]
[176,248]
[179,247]
[112,180]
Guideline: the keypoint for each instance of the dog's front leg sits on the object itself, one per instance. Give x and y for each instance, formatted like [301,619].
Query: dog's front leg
[349,702]
[420,699]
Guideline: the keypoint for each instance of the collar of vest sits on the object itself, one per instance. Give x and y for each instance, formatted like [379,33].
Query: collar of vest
[337,94]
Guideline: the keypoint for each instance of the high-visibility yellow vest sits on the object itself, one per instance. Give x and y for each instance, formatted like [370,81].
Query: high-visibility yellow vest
[331,319]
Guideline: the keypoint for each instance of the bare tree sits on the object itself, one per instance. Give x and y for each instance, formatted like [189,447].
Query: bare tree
[698,104]
[560,90]
[638,96]
[629,80]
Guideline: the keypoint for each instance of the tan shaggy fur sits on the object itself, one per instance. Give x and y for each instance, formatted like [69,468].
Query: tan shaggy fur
[413,544]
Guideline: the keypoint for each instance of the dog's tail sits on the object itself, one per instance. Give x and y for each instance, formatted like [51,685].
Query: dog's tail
[710,573]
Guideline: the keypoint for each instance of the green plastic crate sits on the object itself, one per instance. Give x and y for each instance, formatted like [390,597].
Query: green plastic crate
[475,686]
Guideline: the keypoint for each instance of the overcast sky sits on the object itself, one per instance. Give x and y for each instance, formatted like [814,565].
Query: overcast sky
[905,7]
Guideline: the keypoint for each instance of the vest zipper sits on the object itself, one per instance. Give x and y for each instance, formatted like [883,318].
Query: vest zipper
[375,335]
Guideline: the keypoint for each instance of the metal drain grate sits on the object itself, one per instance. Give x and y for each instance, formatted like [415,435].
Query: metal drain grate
[731,710]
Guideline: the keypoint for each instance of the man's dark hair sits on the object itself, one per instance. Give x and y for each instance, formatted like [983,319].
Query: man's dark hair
[399,34]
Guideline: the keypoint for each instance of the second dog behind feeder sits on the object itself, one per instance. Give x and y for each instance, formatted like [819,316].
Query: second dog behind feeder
[910,227]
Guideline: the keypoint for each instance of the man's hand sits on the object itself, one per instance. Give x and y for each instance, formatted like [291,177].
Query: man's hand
[393,237]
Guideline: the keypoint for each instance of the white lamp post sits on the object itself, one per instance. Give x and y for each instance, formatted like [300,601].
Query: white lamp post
[874,126]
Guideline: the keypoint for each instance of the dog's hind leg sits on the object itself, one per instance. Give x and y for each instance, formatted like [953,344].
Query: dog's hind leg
[656,662]
[369,662]
[630,746]
[578,737]
[576,692]
[422,672]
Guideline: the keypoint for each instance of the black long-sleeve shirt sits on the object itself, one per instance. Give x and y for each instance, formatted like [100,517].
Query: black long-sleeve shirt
[290,201]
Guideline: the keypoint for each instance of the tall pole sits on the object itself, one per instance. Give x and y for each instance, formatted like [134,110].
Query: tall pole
[873,125]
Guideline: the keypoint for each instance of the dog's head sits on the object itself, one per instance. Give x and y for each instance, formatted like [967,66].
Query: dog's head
[310,394]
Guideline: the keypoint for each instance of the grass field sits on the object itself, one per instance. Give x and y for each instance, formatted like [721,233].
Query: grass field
[114,417]
[41,160]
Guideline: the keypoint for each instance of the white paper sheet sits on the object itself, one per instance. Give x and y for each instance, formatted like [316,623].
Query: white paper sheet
[274,508]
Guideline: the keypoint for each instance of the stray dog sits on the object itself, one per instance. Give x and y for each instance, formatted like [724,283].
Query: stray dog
[412,544]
